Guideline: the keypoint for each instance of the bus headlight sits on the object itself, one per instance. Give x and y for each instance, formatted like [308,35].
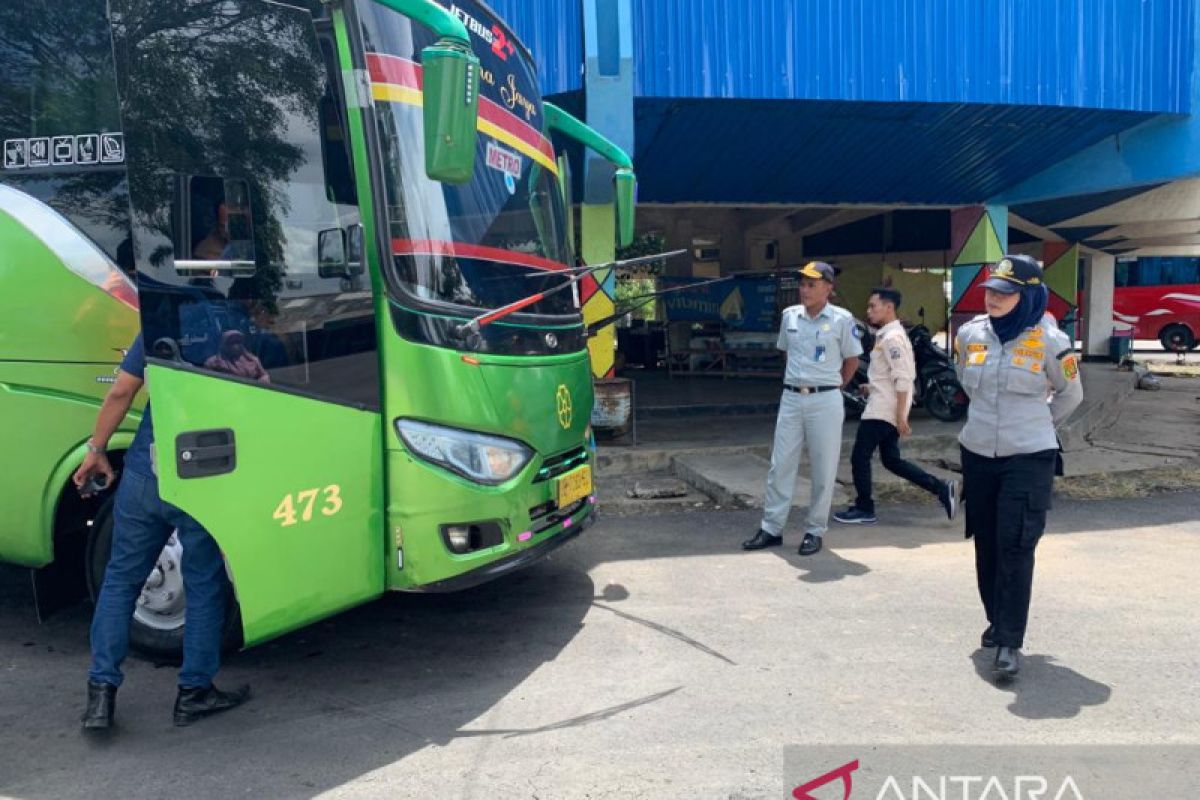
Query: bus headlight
[479,457]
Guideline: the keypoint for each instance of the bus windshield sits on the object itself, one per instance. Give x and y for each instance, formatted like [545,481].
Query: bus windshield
[500,236]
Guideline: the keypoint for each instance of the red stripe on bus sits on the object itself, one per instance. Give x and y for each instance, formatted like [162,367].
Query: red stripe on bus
[402,72]
[442,247]
[393,69]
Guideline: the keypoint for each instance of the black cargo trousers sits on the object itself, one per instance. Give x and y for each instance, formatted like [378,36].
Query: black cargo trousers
[1006,502]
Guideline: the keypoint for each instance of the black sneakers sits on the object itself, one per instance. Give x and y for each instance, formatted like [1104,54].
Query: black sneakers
[855,516]
[948,497]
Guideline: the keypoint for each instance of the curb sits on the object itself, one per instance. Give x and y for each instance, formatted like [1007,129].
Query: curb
[721,495]
[1092,415]
[615,462]
[735,409]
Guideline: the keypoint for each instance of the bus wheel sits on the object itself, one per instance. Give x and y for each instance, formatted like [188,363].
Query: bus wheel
[1177,338]
[158,616]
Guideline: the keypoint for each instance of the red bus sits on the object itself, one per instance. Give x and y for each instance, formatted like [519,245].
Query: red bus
[1159,298]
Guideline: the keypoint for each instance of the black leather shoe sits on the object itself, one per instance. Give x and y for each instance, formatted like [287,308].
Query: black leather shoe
[762,539]
[101,703]
[986,640]
[196,703]
[1008,662]
[810,545]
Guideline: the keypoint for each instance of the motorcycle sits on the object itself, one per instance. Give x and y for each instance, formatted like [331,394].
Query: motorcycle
[853,400]
[936,386]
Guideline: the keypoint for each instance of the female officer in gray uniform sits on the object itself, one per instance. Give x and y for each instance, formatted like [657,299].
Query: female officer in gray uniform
[1023,380]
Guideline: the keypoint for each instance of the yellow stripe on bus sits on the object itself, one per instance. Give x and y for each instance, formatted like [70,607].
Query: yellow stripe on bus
[391,93]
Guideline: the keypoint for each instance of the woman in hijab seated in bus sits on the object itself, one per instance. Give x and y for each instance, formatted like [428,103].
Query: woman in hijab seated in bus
[233,358]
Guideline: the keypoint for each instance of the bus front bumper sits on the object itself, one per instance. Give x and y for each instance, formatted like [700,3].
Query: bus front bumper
[509,564]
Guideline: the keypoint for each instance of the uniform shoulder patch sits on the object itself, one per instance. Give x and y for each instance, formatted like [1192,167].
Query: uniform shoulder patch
[895,353]
[1070,368]
[858,329]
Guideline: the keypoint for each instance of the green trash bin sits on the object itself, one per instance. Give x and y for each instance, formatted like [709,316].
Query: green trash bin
[1120,345]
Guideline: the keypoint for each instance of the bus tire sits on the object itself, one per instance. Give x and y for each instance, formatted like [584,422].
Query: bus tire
[1177,338]
[157,626]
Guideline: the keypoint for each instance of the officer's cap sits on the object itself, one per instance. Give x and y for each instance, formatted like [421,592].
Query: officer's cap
[1013,273]
[818,270]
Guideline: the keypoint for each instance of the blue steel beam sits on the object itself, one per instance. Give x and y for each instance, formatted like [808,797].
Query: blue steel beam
[608,49]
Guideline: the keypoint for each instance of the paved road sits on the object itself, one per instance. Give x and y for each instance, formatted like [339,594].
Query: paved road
[648,659]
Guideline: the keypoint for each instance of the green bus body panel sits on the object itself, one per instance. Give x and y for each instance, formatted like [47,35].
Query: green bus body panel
[60,344]
[512,397]
[424,498]
[57,316]
[285,576]
[515,397]
[56,406]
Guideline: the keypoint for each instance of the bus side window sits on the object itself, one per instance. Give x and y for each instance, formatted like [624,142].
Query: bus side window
[1125,273]
[248,295]
[214,232]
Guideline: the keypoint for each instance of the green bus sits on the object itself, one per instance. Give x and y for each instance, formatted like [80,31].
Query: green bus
[320,215]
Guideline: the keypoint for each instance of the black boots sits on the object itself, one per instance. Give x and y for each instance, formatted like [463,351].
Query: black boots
[195,703]
[986,641]
[1008,663]
[101,702]
[190,705]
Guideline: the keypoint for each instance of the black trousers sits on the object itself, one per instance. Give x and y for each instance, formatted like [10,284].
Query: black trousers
[875,433]
[1006,501]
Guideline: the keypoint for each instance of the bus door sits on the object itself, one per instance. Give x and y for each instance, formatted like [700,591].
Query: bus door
[258,321]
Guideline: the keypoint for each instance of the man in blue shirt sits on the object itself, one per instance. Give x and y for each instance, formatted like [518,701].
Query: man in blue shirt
[142,525]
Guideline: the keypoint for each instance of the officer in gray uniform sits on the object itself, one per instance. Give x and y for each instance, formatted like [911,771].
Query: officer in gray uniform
[822,345]
[1022,377]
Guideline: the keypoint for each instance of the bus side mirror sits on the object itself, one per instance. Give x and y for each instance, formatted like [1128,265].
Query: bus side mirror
[625,186]
[450,107]
[331,254]
[355,256]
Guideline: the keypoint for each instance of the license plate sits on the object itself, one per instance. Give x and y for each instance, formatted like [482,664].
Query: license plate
[574,486]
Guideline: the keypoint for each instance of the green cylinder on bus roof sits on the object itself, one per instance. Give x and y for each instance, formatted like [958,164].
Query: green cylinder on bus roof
[451,107]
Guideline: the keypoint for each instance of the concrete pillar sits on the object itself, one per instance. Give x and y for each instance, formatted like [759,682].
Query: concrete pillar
[608,83]
[678,234]
[1098,282]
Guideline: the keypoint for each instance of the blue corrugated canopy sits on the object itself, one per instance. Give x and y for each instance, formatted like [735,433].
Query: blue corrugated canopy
[553,32]
[1128,55]
[891,101]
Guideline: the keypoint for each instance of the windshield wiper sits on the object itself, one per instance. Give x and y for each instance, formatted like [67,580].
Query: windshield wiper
[577,274]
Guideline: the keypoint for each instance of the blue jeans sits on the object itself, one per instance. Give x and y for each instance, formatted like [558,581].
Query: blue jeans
[142,525]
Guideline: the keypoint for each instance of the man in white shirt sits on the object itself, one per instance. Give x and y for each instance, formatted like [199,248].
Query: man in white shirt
[890,390]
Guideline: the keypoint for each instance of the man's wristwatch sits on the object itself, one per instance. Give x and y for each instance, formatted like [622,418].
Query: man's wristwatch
[94,448]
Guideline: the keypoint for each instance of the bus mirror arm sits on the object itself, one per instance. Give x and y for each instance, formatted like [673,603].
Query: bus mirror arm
[624,180]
